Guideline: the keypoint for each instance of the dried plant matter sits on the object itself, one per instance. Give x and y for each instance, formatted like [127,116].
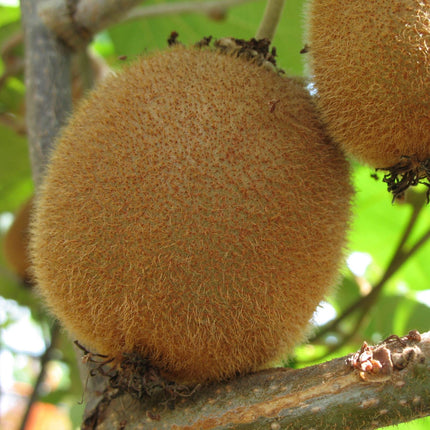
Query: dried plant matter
[370,63]
[184,219]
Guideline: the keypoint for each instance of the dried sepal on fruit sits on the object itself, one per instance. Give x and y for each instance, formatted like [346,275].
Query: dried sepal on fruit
[186,220]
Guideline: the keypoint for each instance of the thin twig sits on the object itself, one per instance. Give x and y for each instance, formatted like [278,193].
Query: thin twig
[44,360]
[163,9]
[16,123]
[399,258]
[271,17]
[366,302]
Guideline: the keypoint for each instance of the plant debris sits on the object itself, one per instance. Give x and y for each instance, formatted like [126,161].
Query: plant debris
[305,49]
[252,49]
[408,172]
[173,38]
[205,41]
[255,50]
[380,360]
[133,375]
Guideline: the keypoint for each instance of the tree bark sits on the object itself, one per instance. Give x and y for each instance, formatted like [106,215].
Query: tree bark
[394,387]
[47,80]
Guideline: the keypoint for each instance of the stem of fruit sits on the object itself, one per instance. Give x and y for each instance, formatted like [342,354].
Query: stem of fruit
[271,17]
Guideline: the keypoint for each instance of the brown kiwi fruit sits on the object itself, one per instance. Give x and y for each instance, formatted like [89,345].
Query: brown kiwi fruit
[16,242]
[193,212]
[370,63]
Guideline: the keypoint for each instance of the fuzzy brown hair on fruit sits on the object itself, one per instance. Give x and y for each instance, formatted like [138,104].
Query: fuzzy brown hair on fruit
[16,242]
[185,219]
[370,63]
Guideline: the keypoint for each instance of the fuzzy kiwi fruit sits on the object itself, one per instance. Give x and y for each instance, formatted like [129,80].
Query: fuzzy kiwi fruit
[370,62]
[16,242]
[193,212]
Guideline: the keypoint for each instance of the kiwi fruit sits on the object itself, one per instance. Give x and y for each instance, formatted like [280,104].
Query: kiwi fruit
[16,242]
[193,212]
[369,61]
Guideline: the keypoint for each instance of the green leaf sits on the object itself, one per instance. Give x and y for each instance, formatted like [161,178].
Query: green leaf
[345,294]
[9,14]
[15,175]
[420,424]
[378,226]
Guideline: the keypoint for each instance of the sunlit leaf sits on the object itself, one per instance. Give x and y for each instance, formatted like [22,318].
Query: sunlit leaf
[9,14]
[378,226]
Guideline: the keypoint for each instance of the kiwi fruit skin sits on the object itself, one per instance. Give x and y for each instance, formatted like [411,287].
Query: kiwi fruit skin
[16,242]
[185,218]
[370,63]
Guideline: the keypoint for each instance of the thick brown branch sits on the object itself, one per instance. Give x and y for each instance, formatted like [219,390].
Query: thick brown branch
[394,387]
[47,80]
[44,360]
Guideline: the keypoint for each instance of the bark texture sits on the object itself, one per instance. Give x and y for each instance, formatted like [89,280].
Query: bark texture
[48,87]
[378,386]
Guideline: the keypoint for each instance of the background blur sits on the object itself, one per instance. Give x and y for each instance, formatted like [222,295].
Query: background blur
[388,251]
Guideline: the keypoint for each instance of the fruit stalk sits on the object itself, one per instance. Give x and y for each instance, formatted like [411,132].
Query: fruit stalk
[271,17]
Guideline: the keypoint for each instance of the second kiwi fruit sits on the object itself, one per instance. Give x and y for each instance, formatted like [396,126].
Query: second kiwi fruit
[369,61]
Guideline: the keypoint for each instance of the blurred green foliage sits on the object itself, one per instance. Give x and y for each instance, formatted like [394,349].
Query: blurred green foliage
[376,228]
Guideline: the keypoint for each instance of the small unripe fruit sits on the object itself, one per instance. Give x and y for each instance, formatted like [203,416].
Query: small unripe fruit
[370,62]
[184,218]
[16,242]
